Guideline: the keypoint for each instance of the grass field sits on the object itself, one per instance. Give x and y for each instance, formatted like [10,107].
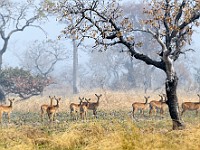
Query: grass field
[113,130]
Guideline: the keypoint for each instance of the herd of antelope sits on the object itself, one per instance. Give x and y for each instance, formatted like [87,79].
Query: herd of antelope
[51,110]
[81,108]
[161,106]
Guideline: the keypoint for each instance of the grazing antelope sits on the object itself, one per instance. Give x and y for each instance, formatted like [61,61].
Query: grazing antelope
[94,105]
[140,106]
[75,109]
[52,110]
[84,108]
[45,106]
[191,106]
[158,105]
[6,109]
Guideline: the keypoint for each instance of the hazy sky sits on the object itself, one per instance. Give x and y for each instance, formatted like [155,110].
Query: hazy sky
[20,41]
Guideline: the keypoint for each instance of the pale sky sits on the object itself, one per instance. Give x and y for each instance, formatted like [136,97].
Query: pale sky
[20,40]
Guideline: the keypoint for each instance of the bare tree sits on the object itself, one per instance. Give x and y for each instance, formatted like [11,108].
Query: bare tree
[170,23]
[15,17]
[42,56]
[75,64]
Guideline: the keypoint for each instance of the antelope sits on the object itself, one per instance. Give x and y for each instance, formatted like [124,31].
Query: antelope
[6,109]
[45,106]
[52,109]
[84,108]
[191,106]
[94,105]
[75,109]
[140,106]
[155,105]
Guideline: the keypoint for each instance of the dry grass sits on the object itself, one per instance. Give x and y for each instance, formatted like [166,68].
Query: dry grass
[109,101]
[100,135]
[114,130]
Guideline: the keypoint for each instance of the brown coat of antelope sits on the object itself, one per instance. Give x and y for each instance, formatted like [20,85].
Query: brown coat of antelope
[84,109]
[52,110]
[44,107]
[140,106]
[191,106]
[75,109]
[155,105]
[94,105]
[6,109]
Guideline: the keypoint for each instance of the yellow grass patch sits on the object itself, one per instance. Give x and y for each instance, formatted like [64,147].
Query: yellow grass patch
[100,134]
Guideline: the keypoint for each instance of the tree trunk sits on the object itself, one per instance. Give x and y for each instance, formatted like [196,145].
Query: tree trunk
[2,96]
[75,66]
[1,61]
[172,102]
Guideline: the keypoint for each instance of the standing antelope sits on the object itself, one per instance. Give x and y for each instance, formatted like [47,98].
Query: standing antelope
[6,109]
[45,106]
[158,105]
[140,106]
[191,106]
[75,109]
[94,105]
[84,108]
[52,110]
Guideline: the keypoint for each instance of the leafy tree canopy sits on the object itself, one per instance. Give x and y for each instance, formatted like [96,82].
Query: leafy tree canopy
[22,83]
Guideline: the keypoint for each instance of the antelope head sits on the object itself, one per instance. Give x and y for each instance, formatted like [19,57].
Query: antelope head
[146,98]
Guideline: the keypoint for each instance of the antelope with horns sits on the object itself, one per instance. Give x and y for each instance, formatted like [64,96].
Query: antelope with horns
[52,110]
[45,106]
[84,109]
[191,106]
[140,106]
[6,109]
[94,105]
[75,109]
[158,105]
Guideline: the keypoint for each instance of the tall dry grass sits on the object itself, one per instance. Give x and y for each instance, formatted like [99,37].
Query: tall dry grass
[118,100]
[100,135]
[111,132]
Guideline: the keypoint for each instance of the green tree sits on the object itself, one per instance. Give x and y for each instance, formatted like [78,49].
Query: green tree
[22,83]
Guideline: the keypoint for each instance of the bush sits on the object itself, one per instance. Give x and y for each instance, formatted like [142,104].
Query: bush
[22,83]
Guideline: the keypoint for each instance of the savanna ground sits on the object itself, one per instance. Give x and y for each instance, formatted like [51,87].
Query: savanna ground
[113,130]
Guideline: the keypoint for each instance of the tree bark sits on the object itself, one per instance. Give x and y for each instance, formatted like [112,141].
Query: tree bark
[172,102]
[1,60]
[75,66]
[2,96]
